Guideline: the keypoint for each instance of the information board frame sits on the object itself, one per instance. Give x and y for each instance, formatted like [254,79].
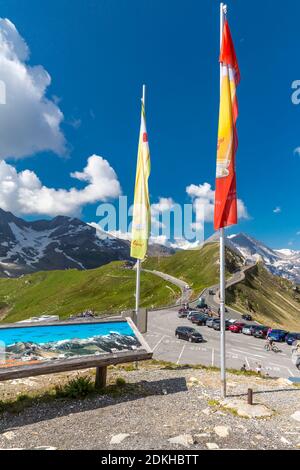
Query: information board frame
[77,363]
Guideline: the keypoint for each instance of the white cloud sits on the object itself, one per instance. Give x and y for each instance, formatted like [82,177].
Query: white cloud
[28,113]
[121,235]
[201,191]
[277,210]
[24,193]
[242,210]
[163,205]
[297,151]
[203,197]
[180,243]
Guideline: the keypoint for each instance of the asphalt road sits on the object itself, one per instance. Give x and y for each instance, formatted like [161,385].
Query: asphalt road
[185,293]
[240,349]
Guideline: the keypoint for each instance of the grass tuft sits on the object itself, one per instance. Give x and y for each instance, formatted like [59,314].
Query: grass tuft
[79,387]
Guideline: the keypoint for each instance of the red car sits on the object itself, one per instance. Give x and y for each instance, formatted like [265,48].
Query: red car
[236,327]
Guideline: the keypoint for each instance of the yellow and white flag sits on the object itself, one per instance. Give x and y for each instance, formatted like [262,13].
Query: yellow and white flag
[141,223]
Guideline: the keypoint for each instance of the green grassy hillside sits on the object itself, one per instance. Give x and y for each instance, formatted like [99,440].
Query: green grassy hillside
[199,268]
[272,299]
[109,288]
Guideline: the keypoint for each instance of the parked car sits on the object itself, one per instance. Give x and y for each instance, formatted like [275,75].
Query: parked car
[247,316]
[200,320]
[188,334]
[291,337]
[278,335]
[249,329]
[182,313]
[261,331]
[194,318]
[192,313]
[211,321]
[236,327]
[211,292]
[217,325]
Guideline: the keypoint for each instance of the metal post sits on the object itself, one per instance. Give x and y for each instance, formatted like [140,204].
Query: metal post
[223,9]
[222,313]
[137,291]
[250,396]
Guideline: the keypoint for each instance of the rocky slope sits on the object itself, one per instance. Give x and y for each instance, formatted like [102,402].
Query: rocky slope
[60,243]
[284,263]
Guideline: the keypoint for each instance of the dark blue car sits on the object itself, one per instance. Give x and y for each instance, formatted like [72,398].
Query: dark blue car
[291,337]
[278,335]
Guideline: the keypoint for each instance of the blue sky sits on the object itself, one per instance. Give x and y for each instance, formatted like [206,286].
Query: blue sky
[100,52]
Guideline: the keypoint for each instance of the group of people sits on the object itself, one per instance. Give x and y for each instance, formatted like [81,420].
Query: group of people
[258,368]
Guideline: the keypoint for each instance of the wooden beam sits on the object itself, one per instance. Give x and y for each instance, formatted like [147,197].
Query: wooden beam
[101,376]
[80,362]
[64,365]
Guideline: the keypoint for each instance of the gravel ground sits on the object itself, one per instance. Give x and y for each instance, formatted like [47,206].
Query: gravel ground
[178,405]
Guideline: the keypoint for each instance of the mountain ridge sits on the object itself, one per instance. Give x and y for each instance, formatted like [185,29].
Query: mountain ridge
[59,243]
[284,263]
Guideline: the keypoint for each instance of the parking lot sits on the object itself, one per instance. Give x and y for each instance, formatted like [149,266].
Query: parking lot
[240,349]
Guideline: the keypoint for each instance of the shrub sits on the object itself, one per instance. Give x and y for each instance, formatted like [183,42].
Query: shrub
[120,382]
[75,388]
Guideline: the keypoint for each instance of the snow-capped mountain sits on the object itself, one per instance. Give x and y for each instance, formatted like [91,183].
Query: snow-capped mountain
[284,262]
[60,243]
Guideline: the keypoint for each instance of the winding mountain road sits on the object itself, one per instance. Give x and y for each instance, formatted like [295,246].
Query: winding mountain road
[186,292]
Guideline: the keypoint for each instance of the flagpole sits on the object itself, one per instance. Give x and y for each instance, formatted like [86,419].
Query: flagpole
[223,9]
[138,263]
[137,287]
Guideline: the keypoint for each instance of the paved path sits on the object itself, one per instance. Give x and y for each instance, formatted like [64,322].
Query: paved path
[241,349]
[186,291]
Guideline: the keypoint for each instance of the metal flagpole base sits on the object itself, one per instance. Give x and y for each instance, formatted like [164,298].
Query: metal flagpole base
[223,388]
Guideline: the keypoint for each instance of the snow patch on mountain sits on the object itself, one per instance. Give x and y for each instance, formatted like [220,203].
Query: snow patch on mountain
[60,243]
[283,262]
